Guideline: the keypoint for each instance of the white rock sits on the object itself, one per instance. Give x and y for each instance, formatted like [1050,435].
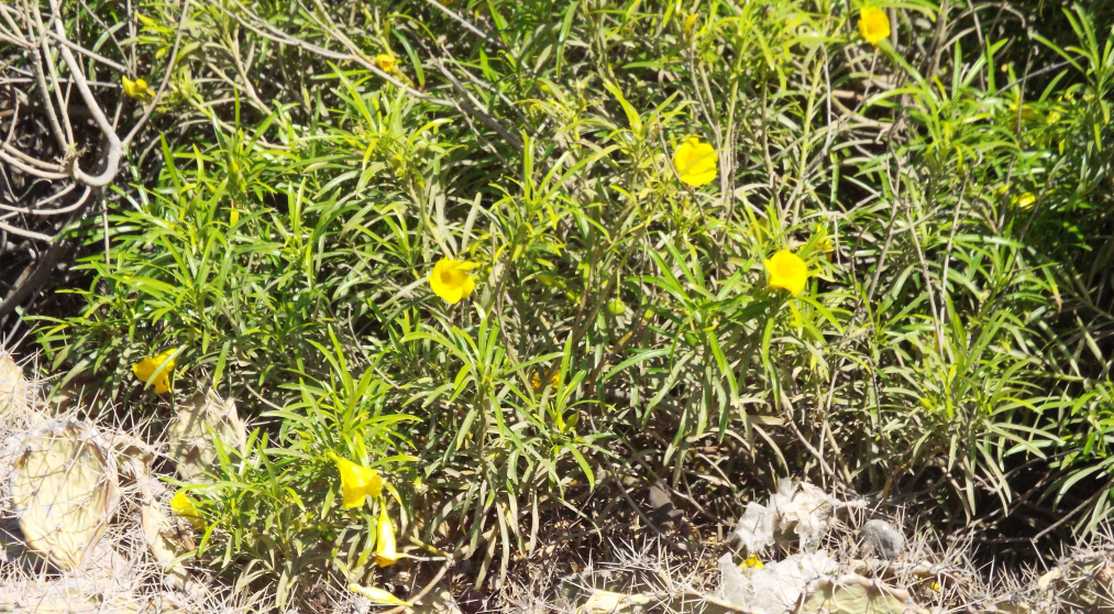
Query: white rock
[755,529]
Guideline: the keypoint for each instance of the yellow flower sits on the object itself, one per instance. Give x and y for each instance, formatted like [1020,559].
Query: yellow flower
[155,370]
[357,482]
[182,505]
[137,89]
[536,380]
[874,25]
[787,271]
[376,595]
[386,63]
[753,562]
[1025,201]
[935,586]
[385,552]
[451,280]
[695,161]
[233,216]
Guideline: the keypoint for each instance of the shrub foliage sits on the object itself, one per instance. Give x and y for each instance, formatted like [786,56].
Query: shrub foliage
[948,189]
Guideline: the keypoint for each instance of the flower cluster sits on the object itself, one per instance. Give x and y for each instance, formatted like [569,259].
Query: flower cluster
[358,483]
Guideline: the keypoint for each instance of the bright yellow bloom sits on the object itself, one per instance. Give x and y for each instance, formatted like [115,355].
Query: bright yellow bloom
[163,364]
[137,89]
[787,271]
[385,552]
[376,595]
[451,280]
[753,562]
[386,63]
[233,216]
[695,161]
[357,482]
[874,25]
[1025,201]
[182,505]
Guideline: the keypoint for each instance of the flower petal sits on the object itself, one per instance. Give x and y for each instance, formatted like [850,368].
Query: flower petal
[874,24]
[376,595]
[451,281]
[787,271]
[385,552]
[695,162]
[357,482]
[155,370]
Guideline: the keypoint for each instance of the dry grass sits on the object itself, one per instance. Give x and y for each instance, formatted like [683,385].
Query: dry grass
[943,573]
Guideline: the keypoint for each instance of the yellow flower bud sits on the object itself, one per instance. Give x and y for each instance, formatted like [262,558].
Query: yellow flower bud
[385,552]
[137,89]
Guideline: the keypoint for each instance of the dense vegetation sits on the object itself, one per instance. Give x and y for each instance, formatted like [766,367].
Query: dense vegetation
[945,184]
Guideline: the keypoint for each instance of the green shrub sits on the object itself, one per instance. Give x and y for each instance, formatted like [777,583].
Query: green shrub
[938,189]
